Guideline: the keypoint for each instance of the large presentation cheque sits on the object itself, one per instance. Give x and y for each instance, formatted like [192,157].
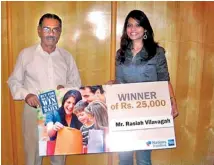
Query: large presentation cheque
[122,117]
[139,116]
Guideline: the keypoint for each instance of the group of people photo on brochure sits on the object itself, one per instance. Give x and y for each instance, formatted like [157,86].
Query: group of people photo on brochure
[77,112]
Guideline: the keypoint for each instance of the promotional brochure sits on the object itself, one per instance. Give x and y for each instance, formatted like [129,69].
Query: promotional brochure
[105,118]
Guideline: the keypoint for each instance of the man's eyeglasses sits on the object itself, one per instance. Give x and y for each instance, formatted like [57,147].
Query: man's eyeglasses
[48,30]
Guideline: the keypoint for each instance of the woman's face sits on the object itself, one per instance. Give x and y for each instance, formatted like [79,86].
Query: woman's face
[134,30]
[69,105]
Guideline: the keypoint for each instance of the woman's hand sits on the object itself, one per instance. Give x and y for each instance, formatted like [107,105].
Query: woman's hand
[57,126]
[174,108]
[52,128]
[174,111]
[110,82]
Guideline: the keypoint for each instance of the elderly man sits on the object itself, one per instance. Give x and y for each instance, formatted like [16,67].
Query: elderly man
[41,67]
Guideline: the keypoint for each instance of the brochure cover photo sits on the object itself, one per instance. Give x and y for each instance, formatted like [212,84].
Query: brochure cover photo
[105,118]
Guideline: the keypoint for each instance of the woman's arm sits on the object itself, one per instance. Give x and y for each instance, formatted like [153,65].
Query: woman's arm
[50,129]
[119,77]
[173,101]
[163,75]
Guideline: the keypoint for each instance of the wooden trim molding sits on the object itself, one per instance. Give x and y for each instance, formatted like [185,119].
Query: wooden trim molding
[112,55]
[10,68]
[113,39]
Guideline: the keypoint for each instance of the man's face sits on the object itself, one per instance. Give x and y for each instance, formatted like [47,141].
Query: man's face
[87,95]
[49,32]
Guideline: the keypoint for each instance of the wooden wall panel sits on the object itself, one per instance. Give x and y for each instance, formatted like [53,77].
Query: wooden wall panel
[184,29]
[205,125]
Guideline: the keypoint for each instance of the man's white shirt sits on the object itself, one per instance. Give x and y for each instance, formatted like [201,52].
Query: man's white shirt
[37,71]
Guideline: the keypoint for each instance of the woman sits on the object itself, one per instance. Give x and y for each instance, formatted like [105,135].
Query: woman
[97,112]
[56,120]
[140,59]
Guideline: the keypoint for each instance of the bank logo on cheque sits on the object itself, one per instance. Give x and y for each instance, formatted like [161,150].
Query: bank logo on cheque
[160,143]
[148,143]
[157,143]
[171,142]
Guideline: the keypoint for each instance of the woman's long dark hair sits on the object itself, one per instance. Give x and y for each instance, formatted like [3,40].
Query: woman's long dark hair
[71,93]
[149,44]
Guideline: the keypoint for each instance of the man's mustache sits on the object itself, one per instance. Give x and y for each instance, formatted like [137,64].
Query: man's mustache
[50,37]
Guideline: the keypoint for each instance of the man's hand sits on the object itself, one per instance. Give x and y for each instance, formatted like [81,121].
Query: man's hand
[32,100]
[59,87]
